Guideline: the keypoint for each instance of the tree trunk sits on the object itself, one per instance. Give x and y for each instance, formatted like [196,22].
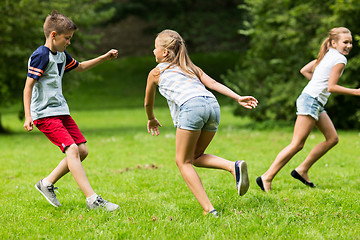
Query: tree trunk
[2,129]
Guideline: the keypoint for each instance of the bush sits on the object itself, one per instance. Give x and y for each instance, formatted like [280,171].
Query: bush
[286,35]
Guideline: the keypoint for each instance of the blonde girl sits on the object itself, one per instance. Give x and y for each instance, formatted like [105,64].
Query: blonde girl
[195,113]
[323,73]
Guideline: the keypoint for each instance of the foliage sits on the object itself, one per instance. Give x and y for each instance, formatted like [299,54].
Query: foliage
[286,35]
[206,25]
[21,33]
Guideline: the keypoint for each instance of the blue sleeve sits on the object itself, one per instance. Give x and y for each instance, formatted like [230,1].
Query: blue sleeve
[70,63]
[37,64]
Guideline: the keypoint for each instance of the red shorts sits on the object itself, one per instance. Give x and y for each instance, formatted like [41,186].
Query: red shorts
[60,130]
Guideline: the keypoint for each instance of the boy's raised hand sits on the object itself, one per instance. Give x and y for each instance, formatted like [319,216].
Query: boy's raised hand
[113,53]
[248,102]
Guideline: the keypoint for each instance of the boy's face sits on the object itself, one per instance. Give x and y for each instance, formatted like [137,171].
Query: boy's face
[61,41]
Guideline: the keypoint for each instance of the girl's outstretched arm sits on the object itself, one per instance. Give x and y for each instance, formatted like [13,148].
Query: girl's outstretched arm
[245,101]
[308,69]
[152,81]
[333,86]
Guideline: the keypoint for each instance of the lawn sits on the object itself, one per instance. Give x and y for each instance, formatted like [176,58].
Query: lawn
[128,166]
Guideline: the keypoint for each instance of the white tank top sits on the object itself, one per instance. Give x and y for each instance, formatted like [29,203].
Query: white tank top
[177,88]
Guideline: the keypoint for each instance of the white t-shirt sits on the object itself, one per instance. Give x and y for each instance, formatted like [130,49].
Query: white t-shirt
[318,85]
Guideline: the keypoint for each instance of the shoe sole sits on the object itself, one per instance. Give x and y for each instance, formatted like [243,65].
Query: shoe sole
[37,188]
[244,178]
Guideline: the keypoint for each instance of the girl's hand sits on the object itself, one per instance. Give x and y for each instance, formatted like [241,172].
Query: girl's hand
[248,102]
[113,53]
[153,126]
[28,125]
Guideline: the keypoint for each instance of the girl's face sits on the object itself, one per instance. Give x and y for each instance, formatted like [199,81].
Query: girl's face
[344,44]
[159,52]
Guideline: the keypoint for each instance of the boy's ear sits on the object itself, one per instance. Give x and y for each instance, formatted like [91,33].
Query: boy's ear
[52,35]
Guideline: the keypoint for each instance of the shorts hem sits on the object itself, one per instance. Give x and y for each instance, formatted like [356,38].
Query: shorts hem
[308,114]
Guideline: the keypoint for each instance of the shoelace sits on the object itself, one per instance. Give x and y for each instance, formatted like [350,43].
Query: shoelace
[52,190]
[100,201]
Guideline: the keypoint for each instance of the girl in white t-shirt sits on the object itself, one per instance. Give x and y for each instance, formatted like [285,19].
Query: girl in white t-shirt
[324,74]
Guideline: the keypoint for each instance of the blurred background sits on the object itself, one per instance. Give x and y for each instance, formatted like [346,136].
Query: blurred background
[256,47]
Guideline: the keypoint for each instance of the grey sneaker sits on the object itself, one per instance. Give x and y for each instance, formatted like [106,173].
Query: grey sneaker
[48,193]
[101,203]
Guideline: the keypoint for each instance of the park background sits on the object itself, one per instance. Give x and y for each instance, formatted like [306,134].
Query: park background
[255,47]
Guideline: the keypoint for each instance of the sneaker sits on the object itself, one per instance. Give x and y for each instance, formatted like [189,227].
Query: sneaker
[214,213]
[100,202]
[48,192]
[242,178]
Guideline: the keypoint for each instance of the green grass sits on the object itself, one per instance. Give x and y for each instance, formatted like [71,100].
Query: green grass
[128,166]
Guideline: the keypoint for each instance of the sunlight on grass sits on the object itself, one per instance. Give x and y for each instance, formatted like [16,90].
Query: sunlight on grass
[128,166]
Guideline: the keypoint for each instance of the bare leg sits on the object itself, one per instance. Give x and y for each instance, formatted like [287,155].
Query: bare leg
[208,160]
[186,142]
[73,164]
[62,168]
[303,126]
[326,126]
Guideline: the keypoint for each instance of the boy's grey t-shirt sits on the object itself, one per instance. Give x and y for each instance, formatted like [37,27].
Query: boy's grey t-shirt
[48,69]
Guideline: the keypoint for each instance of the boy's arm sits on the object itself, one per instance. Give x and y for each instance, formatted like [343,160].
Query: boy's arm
[30,82]
[83,66]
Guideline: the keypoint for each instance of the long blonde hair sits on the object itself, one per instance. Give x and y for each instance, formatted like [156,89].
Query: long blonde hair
[334,34]
[177,53]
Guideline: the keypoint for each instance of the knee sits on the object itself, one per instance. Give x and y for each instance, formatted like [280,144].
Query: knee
[182,162]
[333,141]
[72,150]
[83,154]
[83,151]
[297,147]
[197,156]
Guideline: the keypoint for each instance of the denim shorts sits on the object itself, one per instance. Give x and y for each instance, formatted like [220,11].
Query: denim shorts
[199,113]
[308,105]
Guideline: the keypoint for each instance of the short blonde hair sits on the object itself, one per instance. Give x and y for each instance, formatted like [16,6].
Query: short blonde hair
[59,23]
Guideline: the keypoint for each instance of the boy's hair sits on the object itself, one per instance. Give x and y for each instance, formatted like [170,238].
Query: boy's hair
[334,34]
[178,55]
[59,23]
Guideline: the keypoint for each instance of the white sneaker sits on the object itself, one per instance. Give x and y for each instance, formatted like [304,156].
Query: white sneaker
[242,178]
[101,203]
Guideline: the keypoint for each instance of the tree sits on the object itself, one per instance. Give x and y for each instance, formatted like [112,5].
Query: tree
[21,33]
[206,25]
[285,35]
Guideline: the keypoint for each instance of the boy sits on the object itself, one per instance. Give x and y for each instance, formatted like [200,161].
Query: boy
[46,107]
